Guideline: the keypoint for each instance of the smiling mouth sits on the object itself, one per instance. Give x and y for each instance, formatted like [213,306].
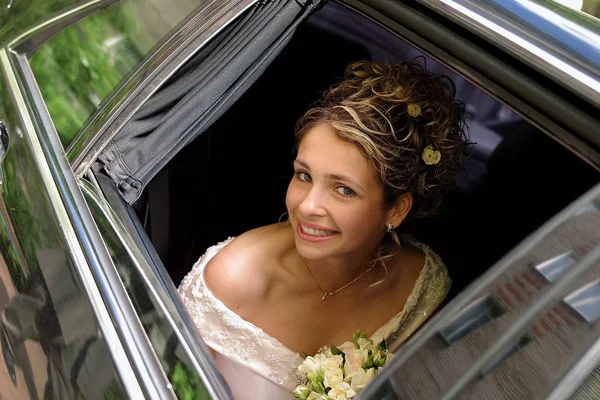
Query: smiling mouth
[315,232]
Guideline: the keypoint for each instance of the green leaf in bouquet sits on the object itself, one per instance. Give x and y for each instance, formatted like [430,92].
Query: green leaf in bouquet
[381,345]
[357,336]
[335,351]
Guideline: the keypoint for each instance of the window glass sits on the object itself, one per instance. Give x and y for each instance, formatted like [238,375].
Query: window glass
[79,67]
[51,340]
[16,15]
[186,382]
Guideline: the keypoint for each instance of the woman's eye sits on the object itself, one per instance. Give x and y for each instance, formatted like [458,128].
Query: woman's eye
[303,176]
[345,191]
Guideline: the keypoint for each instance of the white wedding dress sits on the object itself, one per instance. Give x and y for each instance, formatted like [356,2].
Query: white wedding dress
[256,365]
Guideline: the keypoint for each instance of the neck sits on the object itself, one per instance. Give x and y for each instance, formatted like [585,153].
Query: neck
[334,272]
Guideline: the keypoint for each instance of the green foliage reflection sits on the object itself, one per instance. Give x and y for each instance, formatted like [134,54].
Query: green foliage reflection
[187,383]
[79,68]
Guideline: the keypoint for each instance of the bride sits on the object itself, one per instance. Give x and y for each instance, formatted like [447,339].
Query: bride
[383,145]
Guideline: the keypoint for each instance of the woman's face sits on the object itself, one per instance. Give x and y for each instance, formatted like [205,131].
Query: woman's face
[334,200]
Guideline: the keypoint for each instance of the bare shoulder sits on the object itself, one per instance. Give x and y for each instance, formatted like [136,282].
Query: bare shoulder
[241,274]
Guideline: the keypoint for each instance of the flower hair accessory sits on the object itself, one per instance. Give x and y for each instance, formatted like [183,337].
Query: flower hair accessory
[414,110]
[431,156]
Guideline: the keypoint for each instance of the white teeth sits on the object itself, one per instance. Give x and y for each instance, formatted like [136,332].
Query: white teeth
[315,232]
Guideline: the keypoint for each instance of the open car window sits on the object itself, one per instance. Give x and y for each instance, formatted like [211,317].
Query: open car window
[77,69]
[188,368]
[183,189]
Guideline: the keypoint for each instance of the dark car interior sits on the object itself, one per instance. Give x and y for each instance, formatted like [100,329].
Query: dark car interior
[234,176]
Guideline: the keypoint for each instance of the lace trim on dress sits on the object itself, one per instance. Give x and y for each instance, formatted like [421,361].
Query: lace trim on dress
[229,334]
[240,340]
[431,287]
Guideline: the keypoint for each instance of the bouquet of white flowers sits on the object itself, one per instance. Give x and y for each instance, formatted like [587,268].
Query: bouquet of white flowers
[339,373]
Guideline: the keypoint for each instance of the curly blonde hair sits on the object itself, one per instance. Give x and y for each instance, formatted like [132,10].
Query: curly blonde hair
[393,112]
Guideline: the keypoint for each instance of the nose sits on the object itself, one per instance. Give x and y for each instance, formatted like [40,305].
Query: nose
[314,203]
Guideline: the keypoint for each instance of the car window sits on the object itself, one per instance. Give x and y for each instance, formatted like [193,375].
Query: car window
[78,68]
[170,349]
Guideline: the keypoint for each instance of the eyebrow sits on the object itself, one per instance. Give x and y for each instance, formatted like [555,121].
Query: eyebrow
[335,177]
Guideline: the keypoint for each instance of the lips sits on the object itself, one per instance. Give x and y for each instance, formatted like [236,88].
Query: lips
[314,233]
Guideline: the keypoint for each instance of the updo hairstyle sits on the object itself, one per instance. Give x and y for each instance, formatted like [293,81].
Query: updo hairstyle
[406,121]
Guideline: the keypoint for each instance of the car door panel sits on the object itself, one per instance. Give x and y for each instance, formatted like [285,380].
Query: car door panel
[52,297]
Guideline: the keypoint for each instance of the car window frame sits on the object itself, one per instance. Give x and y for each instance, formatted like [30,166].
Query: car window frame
[125,338]
[121,220]
[167,59]
[139,369]
[525,90]
[135,89]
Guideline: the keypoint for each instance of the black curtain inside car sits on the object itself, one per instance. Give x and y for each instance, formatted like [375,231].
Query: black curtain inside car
[199,94]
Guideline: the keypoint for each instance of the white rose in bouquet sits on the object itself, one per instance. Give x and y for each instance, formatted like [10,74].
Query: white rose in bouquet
[302,391]
[332,362]
[342,391]
[310,364]
[333,377]
[361,378]
[340,373]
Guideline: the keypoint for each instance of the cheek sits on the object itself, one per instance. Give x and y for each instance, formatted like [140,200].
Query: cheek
[362,221]
[293,197]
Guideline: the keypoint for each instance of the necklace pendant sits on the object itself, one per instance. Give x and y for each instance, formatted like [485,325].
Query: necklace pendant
[324,295]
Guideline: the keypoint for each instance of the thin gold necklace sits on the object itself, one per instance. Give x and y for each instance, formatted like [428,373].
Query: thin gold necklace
[325,294]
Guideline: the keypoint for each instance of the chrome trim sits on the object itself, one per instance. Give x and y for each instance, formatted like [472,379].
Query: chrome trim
[471,15]
[576,371]
[414,27]
[161,293]
[554,268]
[473,291]
[519,327]
[474,316]
[585,302]
[592,207]
[166,60]
[103,286]
[28,41]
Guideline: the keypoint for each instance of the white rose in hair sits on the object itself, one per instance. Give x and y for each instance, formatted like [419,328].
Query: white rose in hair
[333,377]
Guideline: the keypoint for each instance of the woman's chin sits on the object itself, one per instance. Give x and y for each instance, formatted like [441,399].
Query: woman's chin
[315,250]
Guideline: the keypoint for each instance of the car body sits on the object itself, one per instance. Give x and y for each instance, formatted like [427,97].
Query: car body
[92,247]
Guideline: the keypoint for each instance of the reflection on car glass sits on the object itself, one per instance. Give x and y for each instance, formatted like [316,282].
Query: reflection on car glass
[472,317]
[586,302]
[66,329]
